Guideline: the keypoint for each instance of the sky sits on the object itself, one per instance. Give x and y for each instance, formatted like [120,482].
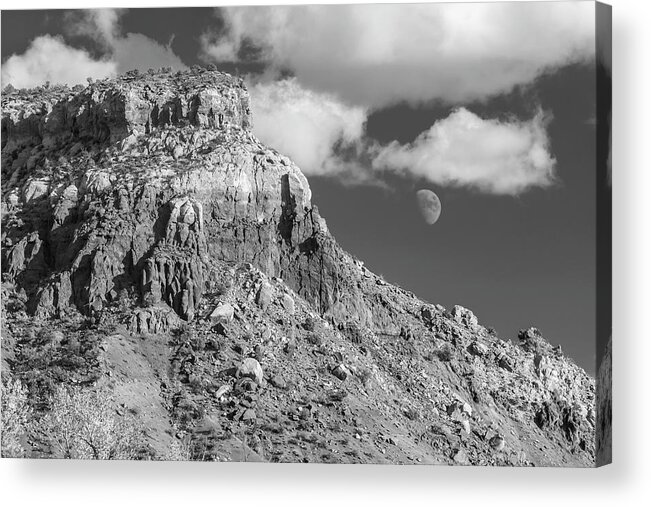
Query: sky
[492,106]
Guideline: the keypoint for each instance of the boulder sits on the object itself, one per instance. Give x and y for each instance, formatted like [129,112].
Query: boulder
[251,368]
[224,313]
[288,304]
[460,457]
[222,391]
[278,382]
[466,408]
[248,415]
[264,296]
[497,443]
[341,372]
[478,349]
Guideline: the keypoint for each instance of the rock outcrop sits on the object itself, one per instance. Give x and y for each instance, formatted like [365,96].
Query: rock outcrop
[146,203]
[139,181]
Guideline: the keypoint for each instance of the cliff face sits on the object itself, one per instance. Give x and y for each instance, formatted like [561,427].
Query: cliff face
[146,202]
[133,182]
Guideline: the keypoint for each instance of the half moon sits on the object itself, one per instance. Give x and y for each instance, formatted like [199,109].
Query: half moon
[429,205]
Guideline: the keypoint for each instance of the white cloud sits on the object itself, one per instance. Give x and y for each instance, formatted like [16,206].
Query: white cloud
[319,132]
[137,51]
[306,126]
[464,150]
[370,56]
[385,53]
[48,58]
[102,25]
[130,51]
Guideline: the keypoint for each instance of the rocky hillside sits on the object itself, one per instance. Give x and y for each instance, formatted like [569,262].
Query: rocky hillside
[604,408]
[154,249]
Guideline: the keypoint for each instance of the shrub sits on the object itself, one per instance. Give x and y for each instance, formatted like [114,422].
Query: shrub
[429,355]
[16,416]
[353,333]
[177,451]
[444,354]
[309,323]
[197,341]
[197,385]
[412,414]
[314,339]
[223,286]
[532,340]
[83,424]
[184,410]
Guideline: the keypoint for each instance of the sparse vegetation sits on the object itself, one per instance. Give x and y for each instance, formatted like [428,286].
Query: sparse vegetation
[222,287]
[47,359]
[532,340]
[314,339]
[353,332]
[177,451]
[16,418]
[444,354]
[412,414]
[309,323]
[83,424]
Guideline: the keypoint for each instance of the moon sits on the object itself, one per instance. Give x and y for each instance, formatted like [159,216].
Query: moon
[429,205]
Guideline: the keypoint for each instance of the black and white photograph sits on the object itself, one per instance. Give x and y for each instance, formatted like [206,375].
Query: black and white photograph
[342,234]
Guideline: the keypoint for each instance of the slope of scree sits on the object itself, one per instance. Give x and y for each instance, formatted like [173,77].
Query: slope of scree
[147,232]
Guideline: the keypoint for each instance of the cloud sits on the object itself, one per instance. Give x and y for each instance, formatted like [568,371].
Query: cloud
[137,51]
[327,137]
[322,131]
[313,129]
[130,51]
[382,54]
[48,58]
[464,150]
[101,25]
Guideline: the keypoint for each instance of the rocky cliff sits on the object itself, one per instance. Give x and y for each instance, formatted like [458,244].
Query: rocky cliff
[141,214]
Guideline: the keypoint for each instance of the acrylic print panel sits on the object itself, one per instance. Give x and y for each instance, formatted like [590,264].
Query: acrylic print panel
[170,290]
